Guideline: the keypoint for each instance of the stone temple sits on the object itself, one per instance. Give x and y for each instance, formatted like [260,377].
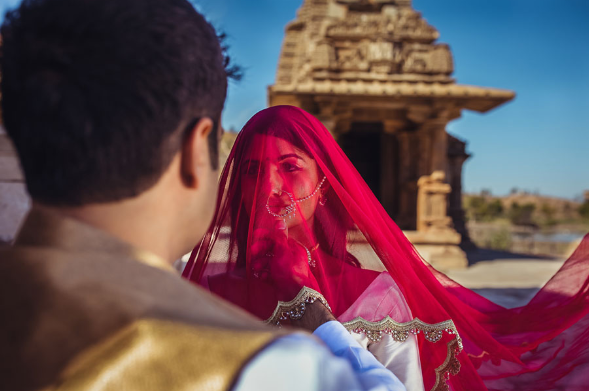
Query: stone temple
[373,73]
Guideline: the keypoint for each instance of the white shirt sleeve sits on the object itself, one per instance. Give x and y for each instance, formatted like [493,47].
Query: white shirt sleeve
[401,358]
[297,362]
[369,371]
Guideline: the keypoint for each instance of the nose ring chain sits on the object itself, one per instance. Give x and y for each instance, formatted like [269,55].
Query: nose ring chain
[290,211]
[313,193]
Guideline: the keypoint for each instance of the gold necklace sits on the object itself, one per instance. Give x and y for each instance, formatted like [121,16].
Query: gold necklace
[312,262]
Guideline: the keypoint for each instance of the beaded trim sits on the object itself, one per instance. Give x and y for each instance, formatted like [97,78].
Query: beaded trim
[451,366]
[295,309]
[400,332]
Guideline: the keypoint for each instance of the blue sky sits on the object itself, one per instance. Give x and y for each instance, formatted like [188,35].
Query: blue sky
[538,48]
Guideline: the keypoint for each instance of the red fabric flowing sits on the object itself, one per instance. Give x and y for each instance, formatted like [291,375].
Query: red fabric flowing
[280,226]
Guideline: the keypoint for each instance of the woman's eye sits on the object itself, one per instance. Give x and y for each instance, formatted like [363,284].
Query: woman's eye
[252,170]
[289,167]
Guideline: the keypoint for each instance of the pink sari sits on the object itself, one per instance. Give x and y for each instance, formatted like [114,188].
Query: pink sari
[370,275]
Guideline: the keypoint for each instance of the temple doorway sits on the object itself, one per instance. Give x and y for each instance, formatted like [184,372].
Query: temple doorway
[362,146]
[375,154]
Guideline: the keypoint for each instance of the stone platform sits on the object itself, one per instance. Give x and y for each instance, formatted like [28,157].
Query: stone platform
[507,279]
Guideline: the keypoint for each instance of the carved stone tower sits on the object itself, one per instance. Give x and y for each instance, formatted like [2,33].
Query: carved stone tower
[373,73]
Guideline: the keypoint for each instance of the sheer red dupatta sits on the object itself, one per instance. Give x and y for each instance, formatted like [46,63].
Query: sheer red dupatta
[350,240]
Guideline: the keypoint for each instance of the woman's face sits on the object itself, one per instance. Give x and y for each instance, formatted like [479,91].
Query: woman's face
[271,169]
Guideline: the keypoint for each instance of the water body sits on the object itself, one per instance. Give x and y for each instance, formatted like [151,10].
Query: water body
[557,237]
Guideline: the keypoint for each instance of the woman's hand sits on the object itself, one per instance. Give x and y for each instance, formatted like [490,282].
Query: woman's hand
[280,261]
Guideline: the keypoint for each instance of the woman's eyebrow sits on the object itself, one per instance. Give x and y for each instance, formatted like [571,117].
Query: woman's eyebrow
[250,161]
[290,155]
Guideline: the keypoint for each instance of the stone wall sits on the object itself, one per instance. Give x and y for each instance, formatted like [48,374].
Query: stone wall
[14,201]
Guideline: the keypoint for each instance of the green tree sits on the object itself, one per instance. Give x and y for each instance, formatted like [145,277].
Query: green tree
[500,240]
[522,214]
[494,209]
[584,210]
[479,209]
[548,213]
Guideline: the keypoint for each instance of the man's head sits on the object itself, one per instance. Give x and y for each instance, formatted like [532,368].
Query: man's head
[100,97]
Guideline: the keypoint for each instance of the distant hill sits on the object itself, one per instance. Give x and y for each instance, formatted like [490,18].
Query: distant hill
[542,210]
[526,223]
[562,209]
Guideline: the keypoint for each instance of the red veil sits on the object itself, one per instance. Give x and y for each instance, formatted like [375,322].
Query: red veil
[465,341]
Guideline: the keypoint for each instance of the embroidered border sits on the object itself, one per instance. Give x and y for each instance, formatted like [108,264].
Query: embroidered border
[400,332]
[295,309]
[451,366]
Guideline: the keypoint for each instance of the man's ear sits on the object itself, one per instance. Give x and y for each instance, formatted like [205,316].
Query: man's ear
[195,152]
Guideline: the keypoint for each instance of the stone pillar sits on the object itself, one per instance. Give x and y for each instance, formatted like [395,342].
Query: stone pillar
[325,114]
[435,238]
[425,138]
[390,161]
[435,141]
[388,180]
[406,192]
[440,149]
[456,158]
[432,204]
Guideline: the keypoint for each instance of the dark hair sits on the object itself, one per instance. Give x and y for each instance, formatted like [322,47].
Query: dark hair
[332,221]
[96,94]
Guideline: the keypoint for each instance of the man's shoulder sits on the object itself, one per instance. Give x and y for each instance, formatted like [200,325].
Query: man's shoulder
[61,302]
[102,283]
[152,354]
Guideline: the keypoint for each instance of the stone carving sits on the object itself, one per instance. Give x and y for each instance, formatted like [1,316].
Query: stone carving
[367,2]
[349,43]
[357,25]
[432,203]
[380,51]
[324,56]
[353,59]
[375,3]
[401,24]
[427,59]
[383,57]
[409,25]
